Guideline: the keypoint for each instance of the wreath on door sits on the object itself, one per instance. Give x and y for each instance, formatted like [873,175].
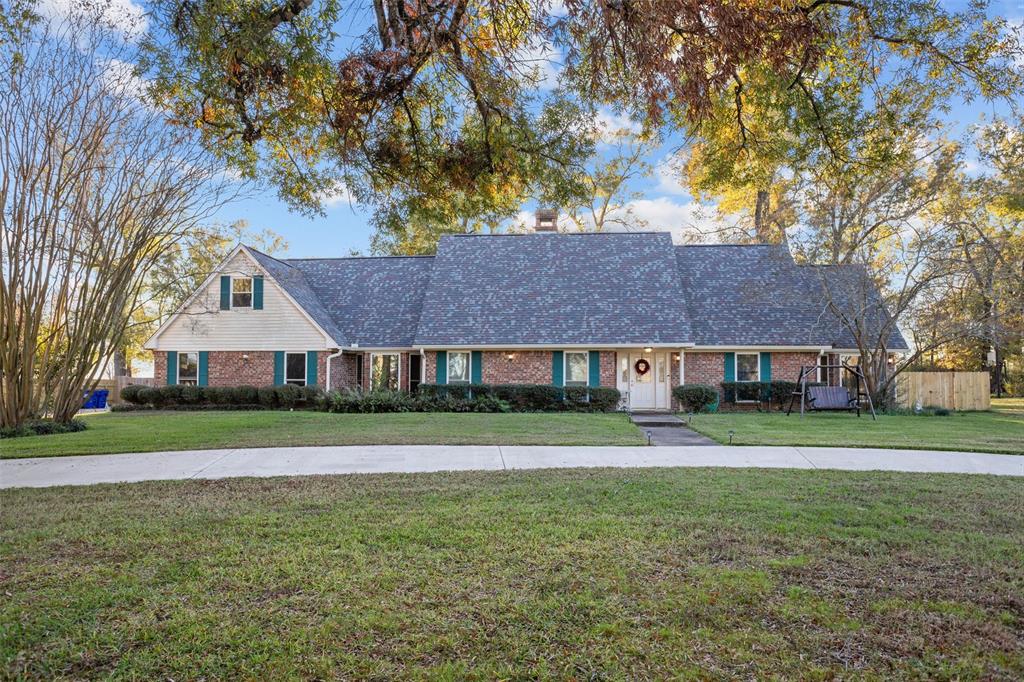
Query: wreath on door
[641,367]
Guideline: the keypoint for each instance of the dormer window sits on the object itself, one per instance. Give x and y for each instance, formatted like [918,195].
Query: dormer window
[241,292]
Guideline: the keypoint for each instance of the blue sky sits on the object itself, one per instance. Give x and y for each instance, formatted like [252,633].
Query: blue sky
[345,228]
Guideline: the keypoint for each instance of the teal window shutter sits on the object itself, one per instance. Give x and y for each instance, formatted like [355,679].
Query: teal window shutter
[442,367]
[311,358]
[278,367]
[225,292]
[766,366]
[558,368]
[476,367]
[257,292]
[730,366]
[172,367]
[204,368]
[594,375]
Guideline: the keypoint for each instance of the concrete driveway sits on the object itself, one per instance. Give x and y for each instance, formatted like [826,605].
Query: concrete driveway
[262,462]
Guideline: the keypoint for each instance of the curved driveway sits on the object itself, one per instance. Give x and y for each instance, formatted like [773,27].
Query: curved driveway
[304,461]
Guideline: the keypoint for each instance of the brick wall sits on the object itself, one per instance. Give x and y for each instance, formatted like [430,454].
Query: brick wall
[159,368]
[786,366]
[343,371]
[525,367]
[705,368]
[229,368]
[608,368]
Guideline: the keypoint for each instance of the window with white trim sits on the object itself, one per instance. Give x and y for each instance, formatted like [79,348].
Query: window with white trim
[458,367]
[295,369]
[188,368]
[384,371]
[748,367]
[241,292]
[576,368]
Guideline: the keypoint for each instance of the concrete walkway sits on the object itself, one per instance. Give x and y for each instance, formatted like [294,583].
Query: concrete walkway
[83,470]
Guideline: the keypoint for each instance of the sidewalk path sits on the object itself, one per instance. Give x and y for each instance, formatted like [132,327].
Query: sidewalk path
[147,466]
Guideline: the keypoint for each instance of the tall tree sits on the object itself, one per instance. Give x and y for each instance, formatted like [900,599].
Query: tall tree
[94,187]
[432,99]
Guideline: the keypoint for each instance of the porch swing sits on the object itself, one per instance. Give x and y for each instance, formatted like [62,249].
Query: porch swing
[831,398]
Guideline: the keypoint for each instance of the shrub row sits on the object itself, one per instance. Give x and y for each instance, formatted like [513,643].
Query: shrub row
[533,397]
[178,395]
[42,427]
[355,401]
[777,391]
[695,397]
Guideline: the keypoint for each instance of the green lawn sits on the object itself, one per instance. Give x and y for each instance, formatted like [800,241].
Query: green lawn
[591,574]
[151,431]
[1000,430]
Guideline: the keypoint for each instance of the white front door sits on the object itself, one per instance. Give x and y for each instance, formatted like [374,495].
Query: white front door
[642,393]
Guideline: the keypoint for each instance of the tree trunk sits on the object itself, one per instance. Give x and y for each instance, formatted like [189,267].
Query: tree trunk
[761,217]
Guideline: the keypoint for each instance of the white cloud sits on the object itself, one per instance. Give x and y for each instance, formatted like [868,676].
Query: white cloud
[123,16]
[612,123]
[685,221]
[668,173]
[122,77]
[335,196]
[546,62]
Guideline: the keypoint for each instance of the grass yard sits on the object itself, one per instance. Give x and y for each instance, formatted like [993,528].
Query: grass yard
[1000,430]
[152,431]
[590,574]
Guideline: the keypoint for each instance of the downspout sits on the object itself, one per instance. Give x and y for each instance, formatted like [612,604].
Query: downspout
[329,358]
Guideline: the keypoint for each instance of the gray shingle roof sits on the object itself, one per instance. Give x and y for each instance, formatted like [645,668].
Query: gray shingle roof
[599,289]
[375,301]
[594,288]
[748,295]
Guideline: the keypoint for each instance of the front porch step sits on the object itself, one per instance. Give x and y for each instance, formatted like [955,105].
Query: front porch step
[654,419]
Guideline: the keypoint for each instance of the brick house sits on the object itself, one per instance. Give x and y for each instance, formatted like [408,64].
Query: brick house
[627,310]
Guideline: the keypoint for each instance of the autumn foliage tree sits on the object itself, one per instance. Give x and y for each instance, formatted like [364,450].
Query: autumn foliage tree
[424,99]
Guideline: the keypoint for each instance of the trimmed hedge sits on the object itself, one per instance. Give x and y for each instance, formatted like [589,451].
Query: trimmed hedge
[42,427]
[429,398]
[695,397]
[532,397]
[778,391]
[179,396]
[355,401]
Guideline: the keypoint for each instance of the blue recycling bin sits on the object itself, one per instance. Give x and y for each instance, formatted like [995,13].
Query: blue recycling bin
[97,400]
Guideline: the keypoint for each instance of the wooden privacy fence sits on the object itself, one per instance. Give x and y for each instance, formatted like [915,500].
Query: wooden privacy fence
[952,390]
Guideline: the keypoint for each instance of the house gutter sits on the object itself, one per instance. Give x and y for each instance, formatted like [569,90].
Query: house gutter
[329,358]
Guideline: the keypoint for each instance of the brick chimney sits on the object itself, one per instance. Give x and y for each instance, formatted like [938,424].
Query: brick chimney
[547,220]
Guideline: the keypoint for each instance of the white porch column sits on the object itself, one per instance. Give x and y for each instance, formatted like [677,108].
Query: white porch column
[682,367]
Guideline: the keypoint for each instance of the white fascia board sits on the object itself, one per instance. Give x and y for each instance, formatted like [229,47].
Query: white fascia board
[555,346]
[761,348]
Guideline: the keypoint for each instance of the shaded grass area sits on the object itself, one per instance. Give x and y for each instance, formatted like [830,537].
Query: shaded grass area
[590,574]
[1000,430]
[153,431]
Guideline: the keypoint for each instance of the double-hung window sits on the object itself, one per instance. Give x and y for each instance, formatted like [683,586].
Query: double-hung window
[576,368]
[188,368]
[748,367]
[458,367]
[384,371]
[241,292]
[295,369]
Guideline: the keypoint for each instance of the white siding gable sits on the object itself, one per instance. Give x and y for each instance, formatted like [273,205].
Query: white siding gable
[202,325]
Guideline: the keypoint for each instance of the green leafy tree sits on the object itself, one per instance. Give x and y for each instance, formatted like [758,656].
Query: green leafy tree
[436,100]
